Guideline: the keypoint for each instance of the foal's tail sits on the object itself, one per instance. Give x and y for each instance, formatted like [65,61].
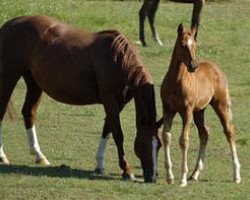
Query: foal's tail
[10,107]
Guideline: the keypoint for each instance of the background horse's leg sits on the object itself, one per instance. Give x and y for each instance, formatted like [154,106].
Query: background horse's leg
[203,135]
[196,17]
[112,110]
[151,17]
[147,4]
[166,138]
[32,100]
[100,155]
[224,112]
[8,82]
[184,143]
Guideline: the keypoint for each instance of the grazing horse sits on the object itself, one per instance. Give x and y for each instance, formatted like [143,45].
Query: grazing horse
[149,8]
[187,89]
[79,68]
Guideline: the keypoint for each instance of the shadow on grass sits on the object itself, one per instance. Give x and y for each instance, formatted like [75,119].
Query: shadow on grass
[62,171]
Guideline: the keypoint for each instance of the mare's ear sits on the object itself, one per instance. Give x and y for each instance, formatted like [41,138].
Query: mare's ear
[194,30]
[159,123]
[180,29]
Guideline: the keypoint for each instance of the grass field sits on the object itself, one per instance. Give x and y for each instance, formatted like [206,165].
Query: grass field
[69,135]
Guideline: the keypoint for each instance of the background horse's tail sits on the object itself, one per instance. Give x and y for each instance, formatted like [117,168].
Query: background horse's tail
[10,107]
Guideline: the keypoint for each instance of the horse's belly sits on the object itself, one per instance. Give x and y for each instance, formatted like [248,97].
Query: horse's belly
[69,89]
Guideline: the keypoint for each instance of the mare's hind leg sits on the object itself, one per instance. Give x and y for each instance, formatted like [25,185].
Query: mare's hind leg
[8,83]
[203,136]
[151,17]
[223,111]
[32,100]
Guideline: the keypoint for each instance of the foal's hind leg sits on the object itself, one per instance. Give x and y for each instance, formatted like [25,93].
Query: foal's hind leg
[32,100]
[203,135]
[151,17]
[8,82]
[223,111]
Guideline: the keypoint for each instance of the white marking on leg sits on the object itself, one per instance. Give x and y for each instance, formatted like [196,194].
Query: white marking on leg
[3,157]
[100,155]
[236,163]
[168,161]
[154,156]
[34,146]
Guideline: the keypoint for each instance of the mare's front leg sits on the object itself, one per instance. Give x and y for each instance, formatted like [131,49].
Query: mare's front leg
[151,17]
[100,154]
[184,144]
[112,109]
[166,138]
[32,100]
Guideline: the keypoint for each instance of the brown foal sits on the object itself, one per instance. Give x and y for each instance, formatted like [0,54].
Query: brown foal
[187,89]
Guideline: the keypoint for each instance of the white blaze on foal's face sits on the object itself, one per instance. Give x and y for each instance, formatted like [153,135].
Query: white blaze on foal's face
[189,43]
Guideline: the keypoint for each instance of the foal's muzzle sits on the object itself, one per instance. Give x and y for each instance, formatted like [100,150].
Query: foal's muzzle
[192,67]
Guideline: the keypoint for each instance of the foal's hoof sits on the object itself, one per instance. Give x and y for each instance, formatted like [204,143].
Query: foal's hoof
[183,184]
[237,181]
[4,160]
[43,161]
[99,171]
[128,176]
[192,178]
[170,181]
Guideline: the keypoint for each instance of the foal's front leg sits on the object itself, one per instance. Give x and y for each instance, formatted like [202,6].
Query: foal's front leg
[184,144]
[166,137]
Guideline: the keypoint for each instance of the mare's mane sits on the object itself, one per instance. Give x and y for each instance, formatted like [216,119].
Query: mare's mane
[125,55]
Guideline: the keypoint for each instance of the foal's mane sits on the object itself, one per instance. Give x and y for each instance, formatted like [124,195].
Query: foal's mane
[125,55]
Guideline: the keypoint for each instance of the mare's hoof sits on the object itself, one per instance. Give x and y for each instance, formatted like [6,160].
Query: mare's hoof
[43,161]
[4,160]
[99,171]
[129,177]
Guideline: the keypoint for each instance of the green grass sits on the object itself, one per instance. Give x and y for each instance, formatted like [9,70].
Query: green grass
[69,135]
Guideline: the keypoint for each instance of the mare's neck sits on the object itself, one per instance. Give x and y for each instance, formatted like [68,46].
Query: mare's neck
[145,107]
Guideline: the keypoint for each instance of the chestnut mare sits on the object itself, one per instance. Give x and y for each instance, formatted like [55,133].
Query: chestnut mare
[149,8]
[79,68]
[187,89]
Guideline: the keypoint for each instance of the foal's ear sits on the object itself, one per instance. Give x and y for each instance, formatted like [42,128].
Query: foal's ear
[180,29]
[159,123]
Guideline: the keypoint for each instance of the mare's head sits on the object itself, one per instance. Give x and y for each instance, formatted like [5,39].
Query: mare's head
[185,48]
[146,148]
[147,142]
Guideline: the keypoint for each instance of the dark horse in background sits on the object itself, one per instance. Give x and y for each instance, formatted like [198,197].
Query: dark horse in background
[149,8]
[79,68]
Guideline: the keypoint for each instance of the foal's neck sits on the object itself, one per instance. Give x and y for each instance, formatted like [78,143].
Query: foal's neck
[176,68]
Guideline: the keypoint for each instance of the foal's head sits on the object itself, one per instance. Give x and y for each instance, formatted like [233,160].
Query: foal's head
[185,48]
